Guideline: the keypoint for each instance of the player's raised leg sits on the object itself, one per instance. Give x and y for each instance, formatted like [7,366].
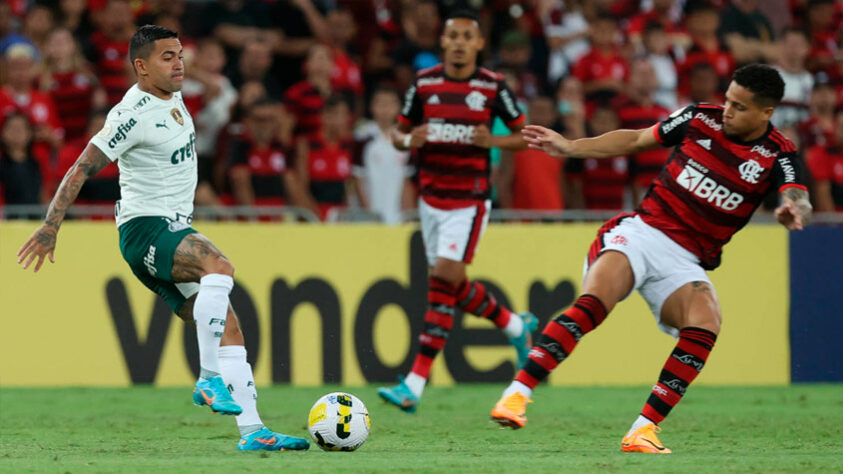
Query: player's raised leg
[693,309]
[609,279]
[197,259]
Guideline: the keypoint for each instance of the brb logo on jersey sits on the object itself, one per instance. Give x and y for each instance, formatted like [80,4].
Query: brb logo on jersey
[122,130]
[450,133]
[693,179]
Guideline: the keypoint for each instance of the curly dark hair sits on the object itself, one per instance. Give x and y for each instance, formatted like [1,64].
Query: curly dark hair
[765,83]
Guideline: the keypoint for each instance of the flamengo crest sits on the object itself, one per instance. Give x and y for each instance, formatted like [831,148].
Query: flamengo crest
[476,101]
[750,171]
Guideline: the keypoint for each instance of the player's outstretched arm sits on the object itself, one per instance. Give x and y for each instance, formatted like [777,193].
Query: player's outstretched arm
[42,243]
[608,145]
[514,141]
[795,210]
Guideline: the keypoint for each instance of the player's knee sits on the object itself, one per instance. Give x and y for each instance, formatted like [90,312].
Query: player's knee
[452,272]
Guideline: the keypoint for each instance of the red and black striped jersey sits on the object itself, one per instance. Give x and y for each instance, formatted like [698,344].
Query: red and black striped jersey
[644,166]
[72,93]
[305,102]
[712,184]
[453,172]
[112,64]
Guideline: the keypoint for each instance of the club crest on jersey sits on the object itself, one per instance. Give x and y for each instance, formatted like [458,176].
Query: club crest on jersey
[750,171]
[177,116]
[476,101]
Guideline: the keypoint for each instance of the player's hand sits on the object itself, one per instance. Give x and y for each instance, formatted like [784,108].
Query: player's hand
[790,216]
[546,140]
[482,137]
[418,136]
[41,244]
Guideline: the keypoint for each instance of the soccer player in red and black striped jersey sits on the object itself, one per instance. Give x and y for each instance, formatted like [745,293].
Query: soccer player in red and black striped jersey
[446,117]
[724,161]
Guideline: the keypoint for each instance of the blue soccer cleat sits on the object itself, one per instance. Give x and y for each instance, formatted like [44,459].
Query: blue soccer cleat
[212,392]
[400,396]
[524,343]
[268,440]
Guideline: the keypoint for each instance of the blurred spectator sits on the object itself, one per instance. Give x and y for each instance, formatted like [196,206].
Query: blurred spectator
[798,82]
[747,32]
[566,30]
[261,170]
[602,70]
[532,179]
[657,47]
[74,16]
[323,160]
[665,13]
[419,48]
[705,86]
[637,110]
[69,80]
[306,98]
[570,103]
[515,55]
[209,96]
[818,130]
[599,184]
[381,172]
[110,49]
[249,93]
[104,188]
[823,32]
[346,77]
[254,64]
[37,24]
[20,172]
[19,95]
[299,25]
[703,21]
[826,166]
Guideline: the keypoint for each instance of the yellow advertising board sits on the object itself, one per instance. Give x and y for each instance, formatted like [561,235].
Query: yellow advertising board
[343,304]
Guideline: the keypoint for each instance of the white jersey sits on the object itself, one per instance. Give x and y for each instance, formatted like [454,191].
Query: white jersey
[153,142]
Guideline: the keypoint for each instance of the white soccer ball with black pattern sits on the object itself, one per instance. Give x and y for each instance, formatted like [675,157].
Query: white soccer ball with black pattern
[339,422]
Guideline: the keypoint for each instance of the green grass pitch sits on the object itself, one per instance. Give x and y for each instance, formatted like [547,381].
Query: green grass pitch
[147,429]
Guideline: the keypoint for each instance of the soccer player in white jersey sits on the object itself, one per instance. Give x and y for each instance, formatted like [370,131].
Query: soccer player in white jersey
[151,136]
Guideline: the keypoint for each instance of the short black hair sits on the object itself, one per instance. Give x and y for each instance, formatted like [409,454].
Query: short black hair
[385,89]
[144,40]
[765,83]
[463,13]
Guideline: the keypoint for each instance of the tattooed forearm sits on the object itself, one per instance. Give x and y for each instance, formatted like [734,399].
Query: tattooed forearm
[798,197]
[91,162]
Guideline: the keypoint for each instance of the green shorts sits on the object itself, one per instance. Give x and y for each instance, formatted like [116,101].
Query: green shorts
[148,245]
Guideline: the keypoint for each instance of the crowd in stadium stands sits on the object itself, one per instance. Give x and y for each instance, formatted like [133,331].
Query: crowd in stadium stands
[293,99]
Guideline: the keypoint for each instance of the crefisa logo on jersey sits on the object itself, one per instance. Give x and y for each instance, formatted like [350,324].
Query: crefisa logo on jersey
[122,130]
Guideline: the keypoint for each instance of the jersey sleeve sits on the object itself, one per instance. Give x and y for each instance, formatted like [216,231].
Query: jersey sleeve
[122,132]
[788,171]
[411,112]
[672,130]
[505,107]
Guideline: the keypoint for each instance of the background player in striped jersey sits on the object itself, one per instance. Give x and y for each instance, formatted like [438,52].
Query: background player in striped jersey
[446,116]
[725,160]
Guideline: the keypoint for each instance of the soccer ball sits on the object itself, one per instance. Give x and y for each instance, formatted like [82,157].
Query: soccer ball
[339,422]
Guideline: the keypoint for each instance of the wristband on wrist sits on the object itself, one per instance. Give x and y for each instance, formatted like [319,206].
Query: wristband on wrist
[406,141]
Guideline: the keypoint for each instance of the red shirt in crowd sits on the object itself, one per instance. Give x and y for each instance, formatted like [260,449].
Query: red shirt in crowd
[305,102]
[537,182]
[39,108]
[111,64]
[603,181]
[720,59]
[597,65]
[346,75]
[826,164]
[329,167]
[812,133]
[267,165]
[72,93]
[645,166]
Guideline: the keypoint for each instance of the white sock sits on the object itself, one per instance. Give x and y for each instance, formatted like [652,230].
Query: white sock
[515,326]
[415,383]
[237,375]
[639,422]
[517,386]
[209,312]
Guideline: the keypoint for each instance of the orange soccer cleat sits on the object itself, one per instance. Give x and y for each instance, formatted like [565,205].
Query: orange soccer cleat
[510,411]
[644,440]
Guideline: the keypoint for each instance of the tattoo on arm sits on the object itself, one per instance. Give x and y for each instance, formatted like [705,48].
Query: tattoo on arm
[91,162]
[192,254]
